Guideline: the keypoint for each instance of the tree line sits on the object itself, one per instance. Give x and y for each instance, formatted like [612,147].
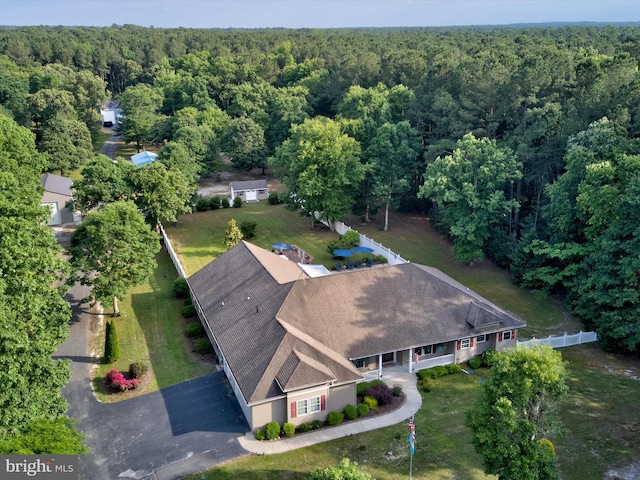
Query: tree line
[521,141]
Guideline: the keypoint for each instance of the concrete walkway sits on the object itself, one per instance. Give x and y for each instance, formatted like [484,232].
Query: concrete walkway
[391,375]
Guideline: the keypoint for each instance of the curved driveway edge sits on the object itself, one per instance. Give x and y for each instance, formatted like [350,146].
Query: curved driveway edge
[392,376]
[166,434]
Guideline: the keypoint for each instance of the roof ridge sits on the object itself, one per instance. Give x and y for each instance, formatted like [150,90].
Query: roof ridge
[320,347]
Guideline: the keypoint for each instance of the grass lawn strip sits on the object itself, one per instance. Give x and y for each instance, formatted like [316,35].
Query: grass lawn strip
[150,329]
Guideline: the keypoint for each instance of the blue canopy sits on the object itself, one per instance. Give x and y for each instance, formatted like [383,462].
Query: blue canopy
[341,252]
[281,246]
[363,249]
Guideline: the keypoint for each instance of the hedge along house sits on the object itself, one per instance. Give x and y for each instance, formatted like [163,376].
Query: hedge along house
[250,190]
[293,347]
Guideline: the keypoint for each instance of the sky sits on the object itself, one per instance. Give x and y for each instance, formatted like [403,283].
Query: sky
[312,13]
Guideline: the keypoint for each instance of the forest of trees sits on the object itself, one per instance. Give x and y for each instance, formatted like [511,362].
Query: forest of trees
[522,142]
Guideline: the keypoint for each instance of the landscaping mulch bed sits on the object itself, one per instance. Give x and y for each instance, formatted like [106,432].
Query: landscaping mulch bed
[396,403]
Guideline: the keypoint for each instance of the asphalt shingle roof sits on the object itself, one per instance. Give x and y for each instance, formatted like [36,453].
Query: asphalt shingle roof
[249,185]
[57,184]
[280,330]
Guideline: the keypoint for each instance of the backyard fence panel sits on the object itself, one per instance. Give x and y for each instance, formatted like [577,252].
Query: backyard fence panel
[559,341]
[172,253]
[378,249]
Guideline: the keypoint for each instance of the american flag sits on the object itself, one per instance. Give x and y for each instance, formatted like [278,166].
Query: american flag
[412,436]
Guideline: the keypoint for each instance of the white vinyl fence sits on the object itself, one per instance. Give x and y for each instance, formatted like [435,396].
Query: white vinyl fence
[378,248]
[559,341]
[172,253]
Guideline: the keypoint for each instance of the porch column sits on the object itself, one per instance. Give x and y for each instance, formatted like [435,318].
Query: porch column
[380,366]
[410,360]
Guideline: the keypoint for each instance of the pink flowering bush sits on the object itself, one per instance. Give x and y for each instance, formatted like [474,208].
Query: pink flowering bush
[116,380]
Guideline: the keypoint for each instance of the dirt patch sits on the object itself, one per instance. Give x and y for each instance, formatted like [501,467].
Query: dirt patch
[218,183]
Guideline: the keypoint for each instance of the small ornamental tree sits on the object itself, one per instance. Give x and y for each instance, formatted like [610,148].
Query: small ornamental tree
[111,344]
[233,235]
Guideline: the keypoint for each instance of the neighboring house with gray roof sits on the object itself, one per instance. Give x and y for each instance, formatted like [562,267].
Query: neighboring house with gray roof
[57,192]
[250,190]
[294,347]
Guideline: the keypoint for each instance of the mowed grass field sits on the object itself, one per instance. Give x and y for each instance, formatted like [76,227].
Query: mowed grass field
[601,416]
[150,329]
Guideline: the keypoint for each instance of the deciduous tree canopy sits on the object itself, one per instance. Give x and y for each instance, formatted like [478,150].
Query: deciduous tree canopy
[114,250]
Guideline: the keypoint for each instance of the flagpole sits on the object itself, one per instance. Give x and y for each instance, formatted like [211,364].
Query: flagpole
[411,467]
[412,429]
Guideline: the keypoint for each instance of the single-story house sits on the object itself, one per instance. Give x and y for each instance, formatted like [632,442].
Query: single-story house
[294,346]
[144,157]
[250,190]
[57,192]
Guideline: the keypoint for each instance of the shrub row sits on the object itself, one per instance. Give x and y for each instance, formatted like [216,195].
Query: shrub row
[202,346]
[308,426]
[211,203]
[441,371]
[194,330]
[485,359]
[272,430]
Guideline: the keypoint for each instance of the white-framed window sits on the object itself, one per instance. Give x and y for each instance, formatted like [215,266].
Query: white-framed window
[424,350]
[506,335]
[314,404]
[465,343]
[481,338]
[302,407]
[308,405]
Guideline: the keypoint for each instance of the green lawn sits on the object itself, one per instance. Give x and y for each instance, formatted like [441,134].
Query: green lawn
[150,329]
[198,237]
[600,416]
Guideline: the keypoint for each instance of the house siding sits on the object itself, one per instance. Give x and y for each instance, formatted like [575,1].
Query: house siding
[340,396]
[275,411]
[66,216]
[296,396]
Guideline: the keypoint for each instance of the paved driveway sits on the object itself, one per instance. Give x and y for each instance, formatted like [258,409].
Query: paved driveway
[162,435]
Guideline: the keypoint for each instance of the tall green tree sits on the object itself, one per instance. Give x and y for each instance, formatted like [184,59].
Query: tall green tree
[113,249]
[162,193]
[45,437]
[33,313]
[590,251]
[393,160]
[245,144]
[67,141]
[103,181]
[321,167]
[468,188]
[140,104]
[516,411]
